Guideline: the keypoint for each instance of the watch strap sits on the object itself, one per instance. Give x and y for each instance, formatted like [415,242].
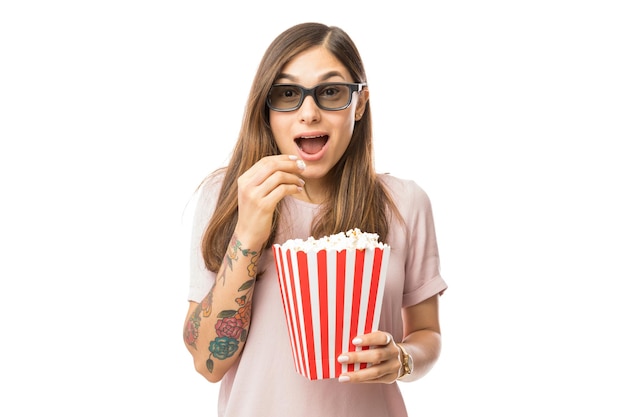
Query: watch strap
[404,361]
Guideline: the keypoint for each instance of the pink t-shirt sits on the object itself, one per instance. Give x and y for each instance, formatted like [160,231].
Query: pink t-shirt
[264,380]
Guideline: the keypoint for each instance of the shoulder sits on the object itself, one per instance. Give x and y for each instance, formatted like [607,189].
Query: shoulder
[213,180]
[210,186]
[404,191]
[206,195]
[410,200]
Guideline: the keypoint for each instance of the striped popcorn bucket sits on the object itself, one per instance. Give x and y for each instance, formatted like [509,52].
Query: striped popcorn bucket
[329,297]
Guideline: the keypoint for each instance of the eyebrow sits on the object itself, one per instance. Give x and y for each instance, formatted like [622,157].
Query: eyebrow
[324,77]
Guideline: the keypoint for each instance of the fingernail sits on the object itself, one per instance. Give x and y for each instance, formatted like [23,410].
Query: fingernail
[293,157]
[342,358]
[300,164]
[343,378]
[357,341]
[301,181]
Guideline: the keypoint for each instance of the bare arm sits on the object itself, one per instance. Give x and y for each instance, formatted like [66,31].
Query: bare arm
[215,330]
[422,340]
[422,336]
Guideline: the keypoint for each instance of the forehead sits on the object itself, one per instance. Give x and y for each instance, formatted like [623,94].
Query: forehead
[315,64]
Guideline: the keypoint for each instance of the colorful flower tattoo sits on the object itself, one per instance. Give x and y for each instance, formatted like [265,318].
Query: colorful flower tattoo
[231,328]
[232,325]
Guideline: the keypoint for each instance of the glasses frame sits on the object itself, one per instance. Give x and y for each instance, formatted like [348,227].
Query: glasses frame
[358,87]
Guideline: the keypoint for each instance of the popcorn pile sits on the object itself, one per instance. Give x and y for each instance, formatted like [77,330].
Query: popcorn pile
[352,239]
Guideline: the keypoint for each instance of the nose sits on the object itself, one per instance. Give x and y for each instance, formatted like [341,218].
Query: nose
[309,112]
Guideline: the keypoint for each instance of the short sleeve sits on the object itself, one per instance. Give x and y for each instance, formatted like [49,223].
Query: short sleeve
[423,267]
[200,278]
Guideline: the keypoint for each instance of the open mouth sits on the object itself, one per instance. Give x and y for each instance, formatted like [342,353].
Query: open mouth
[311,144]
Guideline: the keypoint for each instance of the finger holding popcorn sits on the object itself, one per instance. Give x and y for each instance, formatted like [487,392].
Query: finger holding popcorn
[382,354]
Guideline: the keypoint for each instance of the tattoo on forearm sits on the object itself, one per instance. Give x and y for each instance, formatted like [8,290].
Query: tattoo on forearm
[193,323]
[232,255]
[191,328]
[232,325]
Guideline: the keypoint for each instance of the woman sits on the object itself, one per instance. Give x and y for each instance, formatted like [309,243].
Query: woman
[303,166]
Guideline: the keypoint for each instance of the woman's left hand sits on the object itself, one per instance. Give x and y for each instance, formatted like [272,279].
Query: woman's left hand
[382,354]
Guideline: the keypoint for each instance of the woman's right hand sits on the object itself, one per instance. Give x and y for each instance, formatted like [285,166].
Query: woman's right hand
[260,189]
[213,336]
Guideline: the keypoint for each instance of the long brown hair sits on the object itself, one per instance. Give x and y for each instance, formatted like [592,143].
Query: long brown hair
[357,198]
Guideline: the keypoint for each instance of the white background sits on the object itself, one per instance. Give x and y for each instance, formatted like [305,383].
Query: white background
[511,115]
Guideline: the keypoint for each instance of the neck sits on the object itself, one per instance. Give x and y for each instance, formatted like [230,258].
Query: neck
[315,191]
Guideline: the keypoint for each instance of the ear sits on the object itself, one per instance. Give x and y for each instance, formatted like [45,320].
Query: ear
[362,98]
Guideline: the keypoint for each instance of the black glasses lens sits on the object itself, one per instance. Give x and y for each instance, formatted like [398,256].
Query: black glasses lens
[333,96]
[285,96]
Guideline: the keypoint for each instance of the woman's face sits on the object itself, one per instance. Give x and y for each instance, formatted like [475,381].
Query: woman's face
[318,137]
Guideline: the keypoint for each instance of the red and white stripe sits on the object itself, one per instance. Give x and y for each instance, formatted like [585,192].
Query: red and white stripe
[329,298]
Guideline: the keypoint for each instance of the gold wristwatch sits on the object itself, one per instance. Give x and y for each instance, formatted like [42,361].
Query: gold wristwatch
[407,362]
